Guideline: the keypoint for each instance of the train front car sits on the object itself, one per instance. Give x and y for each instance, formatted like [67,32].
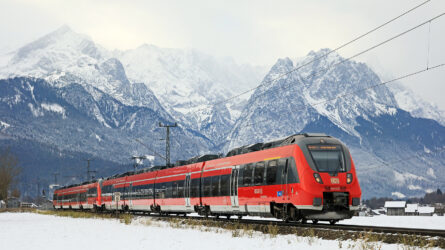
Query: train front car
[329,189]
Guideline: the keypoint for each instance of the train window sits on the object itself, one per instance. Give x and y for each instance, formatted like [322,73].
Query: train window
[271,172]
[207,187]
[180,189]
[194,192]
[150,191]
[215,185]
[281,171]
[240,175]
[174,189]
[92,192]
[292,175]
[258,173]
[83,197]
[328,158]
[225,185]
[160,190]
[169,192]
[247,175]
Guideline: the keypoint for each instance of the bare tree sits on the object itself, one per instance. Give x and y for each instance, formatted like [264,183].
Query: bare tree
[9,172]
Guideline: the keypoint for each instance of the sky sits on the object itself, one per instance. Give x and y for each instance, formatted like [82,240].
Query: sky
[254,32]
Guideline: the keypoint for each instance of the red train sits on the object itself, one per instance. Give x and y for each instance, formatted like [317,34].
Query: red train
[305,176]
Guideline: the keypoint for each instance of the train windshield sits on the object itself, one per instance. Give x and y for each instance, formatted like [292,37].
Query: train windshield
[328,158]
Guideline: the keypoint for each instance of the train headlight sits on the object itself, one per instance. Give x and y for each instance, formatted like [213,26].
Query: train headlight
[348,178]
[318,178]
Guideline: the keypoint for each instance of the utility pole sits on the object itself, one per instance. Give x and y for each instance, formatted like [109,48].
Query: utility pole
[136,159]
[38,187]
[55,178]
[88,169]
[167,142]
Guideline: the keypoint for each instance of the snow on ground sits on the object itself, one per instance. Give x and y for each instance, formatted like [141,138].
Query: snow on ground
[34,231]
[428,222]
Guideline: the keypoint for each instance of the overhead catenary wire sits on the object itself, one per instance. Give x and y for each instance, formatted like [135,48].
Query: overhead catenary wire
[360,90]
[361,52]
[208,106]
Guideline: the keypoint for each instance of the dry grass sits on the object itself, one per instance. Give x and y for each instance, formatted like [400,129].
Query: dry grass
[124,218]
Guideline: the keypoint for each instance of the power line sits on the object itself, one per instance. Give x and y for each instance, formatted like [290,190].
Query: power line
[315,59]
[360,90]
[147,147]
[359,53]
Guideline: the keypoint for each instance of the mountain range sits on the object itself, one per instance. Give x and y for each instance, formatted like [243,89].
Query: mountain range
[64,98]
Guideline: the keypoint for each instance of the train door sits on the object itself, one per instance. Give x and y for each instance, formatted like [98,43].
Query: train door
[187,191]
[284,180]
[130,195]
[234,188]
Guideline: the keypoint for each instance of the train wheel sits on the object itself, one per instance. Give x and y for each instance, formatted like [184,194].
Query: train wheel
[240,217]
[303,221]
[314,221]
[228,216]
[217,217]
[332,222]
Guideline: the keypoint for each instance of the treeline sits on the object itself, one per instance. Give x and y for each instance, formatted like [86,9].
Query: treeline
[428,198]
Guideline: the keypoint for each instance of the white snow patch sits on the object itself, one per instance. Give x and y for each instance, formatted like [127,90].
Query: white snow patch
[98,137]
[4,125]
[54,107]
[427,222]
[398,195]
[430,172]
[414,187]
[35,231]
[35,111]
[402,178]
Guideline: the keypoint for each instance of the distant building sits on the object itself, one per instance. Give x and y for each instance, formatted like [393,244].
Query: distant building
[412,209]
[426,211]
[12,202]
[47,205]
[395,207]
[439,209]
[28,205]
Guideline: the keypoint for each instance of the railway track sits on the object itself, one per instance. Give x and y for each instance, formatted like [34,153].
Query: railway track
[338,227]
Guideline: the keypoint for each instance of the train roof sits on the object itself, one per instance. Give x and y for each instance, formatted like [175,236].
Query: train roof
[207,157]
[77,185]
[272,144]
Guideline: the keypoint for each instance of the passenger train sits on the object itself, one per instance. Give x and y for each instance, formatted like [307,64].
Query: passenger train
[299,178]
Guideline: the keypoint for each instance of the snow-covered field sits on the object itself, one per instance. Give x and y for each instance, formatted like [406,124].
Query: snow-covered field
[428,222]
[34,231]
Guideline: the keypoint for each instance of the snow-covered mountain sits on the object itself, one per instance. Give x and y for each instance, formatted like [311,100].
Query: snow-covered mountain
[415,105]
[187,82]
[371,122]
[49,125]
